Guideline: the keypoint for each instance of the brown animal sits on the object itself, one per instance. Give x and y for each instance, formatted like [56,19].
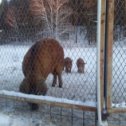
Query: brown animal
[44,57]
[80,65]
[68,64]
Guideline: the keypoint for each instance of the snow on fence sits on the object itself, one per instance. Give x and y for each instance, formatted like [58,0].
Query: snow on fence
[48,100]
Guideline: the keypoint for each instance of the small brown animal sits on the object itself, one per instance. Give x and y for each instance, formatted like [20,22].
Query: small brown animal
[80,65]
[68,64]
[44,57]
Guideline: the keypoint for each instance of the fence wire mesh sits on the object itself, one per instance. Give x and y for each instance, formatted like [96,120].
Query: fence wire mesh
[72,23]
[64,20]
[119,55]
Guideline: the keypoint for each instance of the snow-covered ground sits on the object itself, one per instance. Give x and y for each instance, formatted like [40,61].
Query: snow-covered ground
[119,74]
[75,85]
[79,87]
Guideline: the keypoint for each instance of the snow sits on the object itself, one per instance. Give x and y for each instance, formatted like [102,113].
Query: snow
[119,105]
[4,120]
[7,120]
[76,87]
[79,89]
[46,98]
[11,73]
[119,75]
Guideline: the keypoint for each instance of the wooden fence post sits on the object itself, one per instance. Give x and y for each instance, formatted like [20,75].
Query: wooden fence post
[109,50]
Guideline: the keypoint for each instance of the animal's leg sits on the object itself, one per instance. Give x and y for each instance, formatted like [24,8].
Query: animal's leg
[34,106]
[60,80]
[24,86]
[54,80]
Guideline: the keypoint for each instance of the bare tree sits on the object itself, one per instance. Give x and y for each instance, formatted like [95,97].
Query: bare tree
[58,13]
[37,11]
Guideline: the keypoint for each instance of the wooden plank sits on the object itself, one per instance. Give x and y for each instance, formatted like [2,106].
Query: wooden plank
[60,102]
[117,110]
[110,25]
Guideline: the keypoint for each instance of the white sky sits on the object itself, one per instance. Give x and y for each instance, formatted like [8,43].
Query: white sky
[0,1]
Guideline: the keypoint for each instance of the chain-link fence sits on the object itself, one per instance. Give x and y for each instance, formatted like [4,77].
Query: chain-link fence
[73,24]
[69,31]
[116,63]
[119,56]
[30,20]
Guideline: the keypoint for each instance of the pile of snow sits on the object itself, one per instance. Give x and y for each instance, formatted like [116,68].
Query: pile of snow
[9,120]
[119,105]
[22,96]
[5,120]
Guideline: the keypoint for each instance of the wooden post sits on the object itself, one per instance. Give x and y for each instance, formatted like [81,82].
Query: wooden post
[109,48]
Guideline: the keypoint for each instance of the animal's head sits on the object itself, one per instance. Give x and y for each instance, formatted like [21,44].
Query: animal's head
[39,88]
[68,64]
[80,65]
[81,69]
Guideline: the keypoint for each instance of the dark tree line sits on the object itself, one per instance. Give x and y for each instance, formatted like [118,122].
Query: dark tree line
[27,17]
